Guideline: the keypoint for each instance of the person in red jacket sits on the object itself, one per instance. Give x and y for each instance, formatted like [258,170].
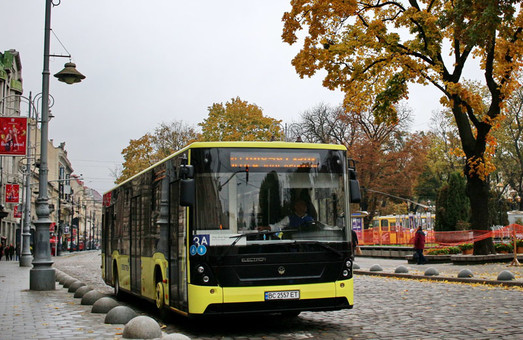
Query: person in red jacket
[419,245]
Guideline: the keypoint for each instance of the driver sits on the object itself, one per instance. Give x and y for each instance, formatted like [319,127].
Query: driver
[298,218]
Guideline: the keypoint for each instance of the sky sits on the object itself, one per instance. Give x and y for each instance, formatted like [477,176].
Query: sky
[148,62]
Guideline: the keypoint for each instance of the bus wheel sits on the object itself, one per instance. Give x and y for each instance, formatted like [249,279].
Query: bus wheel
[159,295]
[117,291]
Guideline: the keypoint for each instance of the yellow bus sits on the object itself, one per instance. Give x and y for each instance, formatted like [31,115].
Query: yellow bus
[198,232]
[396,229]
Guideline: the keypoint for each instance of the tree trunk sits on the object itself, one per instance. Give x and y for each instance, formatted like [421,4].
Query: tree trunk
[478,193]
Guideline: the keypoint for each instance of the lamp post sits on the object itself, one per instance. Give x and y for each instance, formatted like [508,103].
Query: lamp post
[42,275]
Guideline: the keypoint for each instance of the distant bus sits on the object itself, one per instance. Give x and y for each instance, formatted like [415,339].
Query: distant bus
[401,222]
[193,232]
[393,229]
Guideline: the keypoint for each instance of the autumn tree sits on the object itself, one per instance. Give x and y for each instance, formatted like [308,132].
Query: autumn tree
[444,156]
[138,155]
[389,158]
[154,146]
[170,137]
[509,154]
[326,124]
[238,120]
[372,50]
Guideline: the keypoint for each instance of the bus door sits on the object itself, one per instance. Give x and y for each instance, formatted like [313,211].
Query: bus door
[177,251]
[136,227]
[107,234]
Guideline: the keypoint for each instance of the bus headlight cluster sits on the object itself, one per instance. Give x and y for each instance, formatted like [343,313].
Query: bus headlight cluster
[347,269]
[203,274]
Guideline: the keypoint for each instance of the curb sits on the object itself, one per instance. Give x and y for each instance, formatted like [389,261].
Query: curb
[442,278]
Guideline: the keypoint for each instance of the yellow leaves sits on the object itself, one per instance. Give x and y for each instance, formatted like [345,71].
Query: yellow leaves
[480,167]
[238,120]
[469,93]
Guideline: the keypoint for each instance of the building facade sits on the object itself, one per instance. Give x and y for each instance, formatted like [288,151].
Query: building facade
[75,208]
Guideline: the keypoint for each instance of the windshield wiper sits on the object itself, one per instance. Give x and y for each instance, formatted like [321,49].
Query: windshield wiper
[240,236]
[326,246]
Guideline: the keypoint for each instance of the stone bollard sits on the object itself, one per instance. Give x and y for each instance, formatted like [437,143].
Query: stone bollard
[64,278]
[120,315]
[355,265]
[142,327]
[69,282]
[376,268]
[80,292]
[91,297]
[104,305]
[465,273]
[401,270]
[506,276]
[431,272]
[74,286]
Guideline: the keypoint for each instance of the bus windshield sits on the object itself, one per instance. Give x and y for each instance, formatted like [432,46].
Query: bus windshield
[266,195]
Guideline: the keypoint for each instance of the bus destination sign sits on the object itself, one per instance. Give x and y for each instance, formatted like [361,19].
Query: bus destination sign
[274,160]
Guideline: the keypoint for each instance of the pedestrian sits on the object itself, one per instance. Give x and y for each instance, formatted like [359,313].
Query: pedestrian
[419,245]
[1,250]
[11,252]
[7,252]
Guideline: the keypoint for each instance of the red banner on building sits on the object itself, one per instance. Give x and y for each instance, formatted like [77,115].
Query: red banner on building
[13,136]
[12,193]
[17,213]
[107,199]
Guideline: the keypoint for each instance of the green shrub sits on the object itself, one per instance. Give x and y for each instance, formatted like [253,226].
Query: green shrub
[454,250]
[519,243]
[441,251]
[503,247]
[466,246]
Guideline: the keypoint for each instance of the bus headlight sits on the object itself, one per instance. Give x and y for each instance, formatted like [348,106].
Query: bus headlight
[202,274]
[346,271]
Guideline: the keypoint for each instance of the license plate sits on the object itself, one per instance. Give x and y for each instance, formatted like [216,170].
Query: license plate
[283,295]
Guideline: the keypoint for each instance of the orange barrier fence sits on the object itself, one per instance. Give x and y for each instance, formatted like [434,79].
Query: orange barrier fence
[375,236]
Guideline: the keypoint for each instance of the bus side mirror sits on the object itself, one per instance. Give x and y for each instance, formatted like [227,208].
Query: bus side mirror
[187,192]
[355,193]
[187,188]
[354,187]
[186,171]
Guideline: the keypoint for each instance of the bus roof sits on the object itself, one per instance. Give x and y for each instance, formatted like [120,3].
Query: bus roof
[240,144]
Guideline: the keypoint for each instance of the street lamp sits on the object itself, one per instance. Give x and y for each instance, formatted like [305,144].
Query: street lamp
[42,275]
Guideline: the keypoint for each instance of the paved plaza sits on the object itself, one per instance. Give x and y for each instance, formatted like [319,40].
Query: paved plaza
[55,314]
[385,308]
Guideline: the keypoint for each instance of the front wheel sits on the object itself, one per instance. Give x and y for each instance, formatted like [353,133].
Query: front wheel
[117,291]
[160,301]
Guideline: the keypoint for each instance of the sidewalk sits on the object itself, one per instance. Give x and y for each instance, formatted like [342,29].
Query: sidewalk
[55,314]
[488,271]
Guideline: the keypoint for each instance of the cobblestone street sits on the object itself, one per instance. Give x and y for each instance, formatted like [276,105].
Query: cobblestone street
[386,308]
